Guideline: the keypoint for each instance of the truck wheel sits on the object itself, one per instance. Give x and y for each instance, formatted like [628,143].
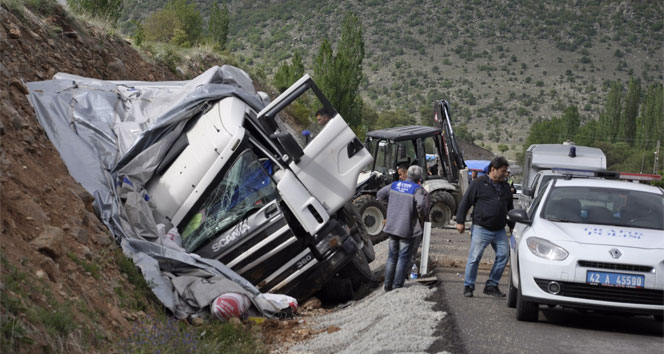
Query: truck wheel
[359,273]
[526,310]
[511,292]
[442,205]
[357,230]
[372,214]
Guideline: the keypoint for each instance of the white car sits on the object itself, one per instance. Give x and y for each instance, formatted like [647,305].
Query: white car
[592,244]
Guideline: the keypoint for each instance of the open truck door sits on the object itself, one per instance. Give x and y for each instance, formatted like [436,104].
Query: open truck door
[325,169]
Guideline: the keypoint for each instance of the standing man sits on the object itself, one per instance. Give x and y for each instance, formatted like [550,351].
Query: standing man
[322,117]
[491,199]
[405,206]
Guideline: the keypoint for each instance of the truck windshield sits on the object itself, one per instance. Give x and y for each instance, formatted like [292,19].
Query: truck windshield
[605,206]
[246,187]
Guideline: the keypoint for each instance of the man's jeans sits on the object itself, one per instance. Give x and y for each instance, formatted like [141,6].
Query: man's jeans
[398,260]
[481,238]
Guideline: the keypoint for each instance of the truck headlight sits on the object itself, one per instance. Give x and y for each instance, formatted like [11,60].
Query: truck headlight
[545,249]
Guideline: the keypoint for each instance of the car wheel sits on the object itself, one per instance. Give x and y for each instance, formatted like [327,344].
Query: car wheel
[442,205]
[372,214]
[526,310]
[511,292]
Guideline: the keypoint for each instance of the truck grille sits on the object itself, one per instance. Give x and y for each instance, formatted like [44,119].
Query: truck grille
[605,293]
[616,266]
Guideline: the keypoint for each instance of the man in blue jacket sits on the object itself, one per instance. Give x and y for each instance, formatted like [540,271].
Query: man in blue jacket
[405,206]
[491,199]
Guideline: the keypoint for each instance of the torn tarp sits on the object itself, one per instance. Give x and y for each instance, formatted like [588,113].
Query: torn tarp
[112,135]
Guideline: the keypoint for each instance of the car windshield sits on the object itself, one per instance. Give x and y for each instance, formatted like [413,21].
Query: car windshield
[246,187]
[605,206]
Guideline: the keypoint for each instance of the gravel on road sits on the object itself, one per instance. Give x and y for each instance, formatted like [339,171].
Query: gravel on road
[400,321]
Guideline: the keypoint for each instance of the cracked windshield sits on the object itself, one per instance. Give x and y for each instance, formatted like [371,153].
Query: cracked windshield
[245,187]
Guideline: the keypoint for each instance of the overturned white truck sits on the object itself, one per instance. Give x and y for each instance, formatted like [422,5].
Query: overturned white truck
[258,211]
[242,189]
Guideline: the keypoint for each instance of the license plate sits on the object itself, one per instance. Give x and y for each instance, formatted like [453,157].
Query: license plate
[615,279]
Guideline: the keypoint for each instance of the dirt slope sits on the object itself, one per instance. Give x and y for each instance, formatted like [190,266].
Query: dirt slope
[61,286]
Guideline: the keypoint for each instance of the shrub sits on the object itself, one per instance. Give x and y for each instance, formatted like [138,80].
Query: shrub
[104,9]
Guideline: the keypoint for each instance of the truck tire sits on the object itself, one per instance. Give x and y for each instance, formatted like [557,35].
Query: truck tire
[372,214]
[353,220]
[358,271]
[442,206]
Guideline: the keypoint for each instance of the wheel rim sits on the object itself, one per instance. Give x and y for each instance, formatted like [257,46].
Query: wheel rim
[372,218]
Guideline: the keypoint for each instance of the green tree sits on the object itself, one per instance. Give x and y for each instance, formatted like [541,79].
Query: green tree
[571,121]
[339,76]
[105,9]
[287,74]
[630,111]
[192,23]
[218,25]
[502,148]
[161,26]
[545,132]
[462,133]
[650,124]
[587,134]
[609,120]
[178,22]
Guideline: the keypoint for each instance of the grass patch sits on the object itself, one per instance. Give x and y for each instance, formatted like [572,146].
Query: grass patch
[41,7]
[59,322]
[170,336]
[13,335]
[12,279]
[90,267]
[144,295]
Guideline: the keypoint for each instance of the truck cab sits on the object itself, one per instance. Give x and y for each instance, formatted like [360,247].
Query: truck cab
[242,189]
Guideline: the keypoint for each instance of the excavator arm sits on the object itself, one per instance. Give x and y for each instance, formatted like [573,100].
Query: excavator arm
[453,159]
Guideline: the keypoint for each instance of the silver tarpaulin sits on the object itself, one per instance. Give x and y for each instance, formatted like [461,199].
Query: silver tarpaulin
[112,135]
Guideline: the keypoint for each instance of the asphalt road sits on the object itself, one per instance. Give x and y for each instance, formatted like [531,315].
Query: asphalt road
[484,324]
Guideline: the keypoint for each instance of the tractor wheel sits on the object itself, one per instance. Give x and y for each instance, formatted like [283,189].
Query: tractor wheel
[442,206]
[372,214]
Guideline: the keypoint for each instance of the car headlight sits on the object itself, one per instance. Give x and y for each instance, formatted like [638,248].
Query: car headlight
[545,249]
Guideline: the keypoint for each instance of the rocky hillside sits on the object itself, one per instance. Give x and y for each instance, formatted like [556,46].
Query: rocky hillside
[501,64]
[65,287]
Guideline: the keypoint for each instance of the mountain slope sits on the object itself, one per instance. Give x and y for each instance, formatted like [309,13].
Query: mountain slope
[501,64]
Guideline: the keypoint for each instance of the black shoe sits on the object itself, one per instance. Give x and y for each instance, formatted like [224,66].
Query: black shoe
[493,291]
[387,288]
[467,291]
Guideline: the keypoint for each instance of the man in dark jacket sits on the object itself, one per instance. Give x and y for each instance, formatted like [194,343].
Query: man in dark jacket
[405,206]
[491,199]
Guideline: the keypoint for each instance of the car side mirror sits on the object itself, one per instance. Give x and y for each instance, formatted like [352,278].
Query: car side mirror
[519,215]
[529,192]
